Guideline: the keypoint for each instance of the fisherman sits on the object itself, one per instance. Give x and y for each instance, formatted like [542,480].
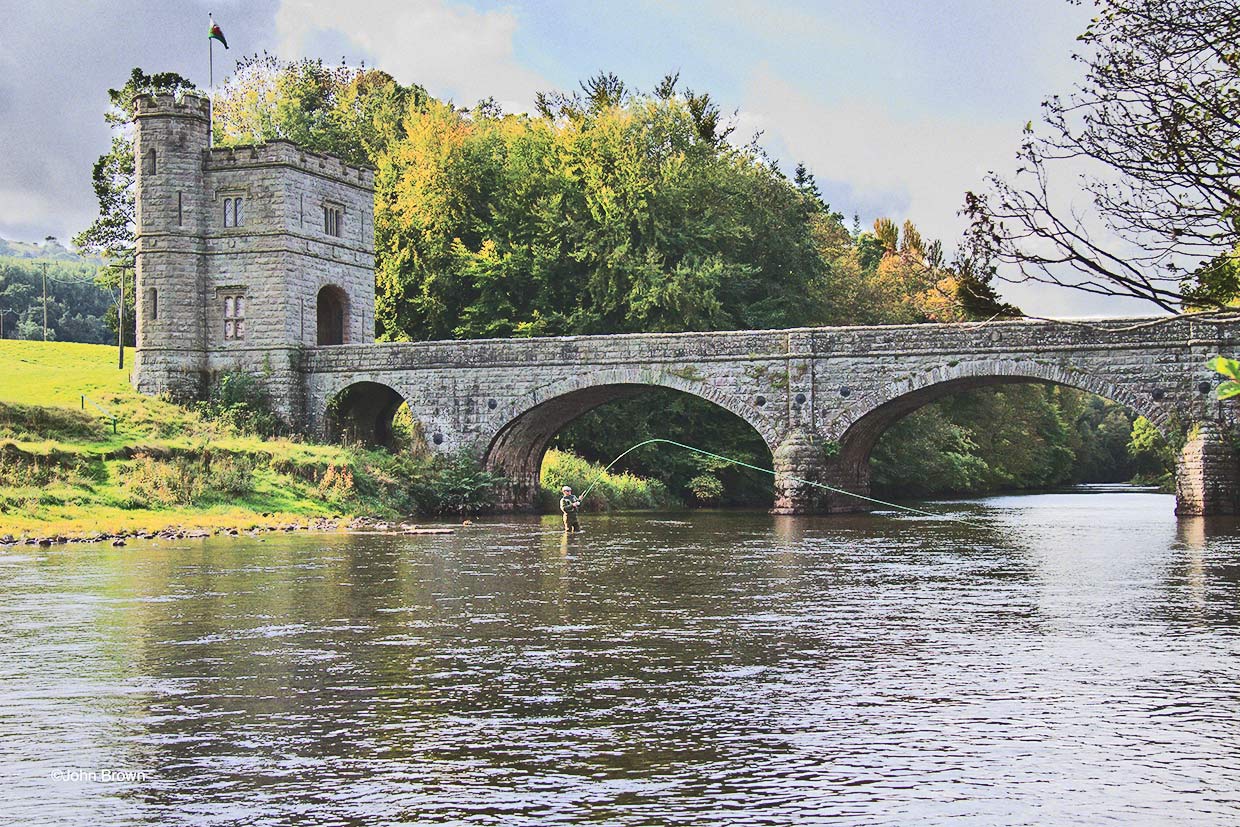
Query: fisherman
[569,505]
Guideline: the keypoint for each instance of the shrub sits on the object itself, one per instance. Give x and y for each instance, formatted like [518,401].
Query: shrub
[610,491]
[337,484]
[186,480]
[456,484]
[706,489]
[240,400]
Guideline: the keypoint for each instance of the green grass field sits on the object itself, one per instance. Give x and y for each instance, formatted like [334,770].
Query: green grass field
[64,472]
[43,424]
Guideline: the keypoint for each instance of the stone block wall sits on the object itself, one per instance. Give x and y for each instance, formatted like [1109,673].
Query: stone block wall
[277,258]
[1207,479]
[837,388]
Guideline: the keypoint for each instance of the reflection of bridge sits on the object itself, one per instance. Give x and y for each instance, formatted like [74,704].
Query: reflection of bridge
[819,397]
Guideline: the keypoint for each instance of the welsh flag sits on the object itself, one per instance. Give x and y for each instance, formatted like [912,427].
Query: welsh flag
[217,33]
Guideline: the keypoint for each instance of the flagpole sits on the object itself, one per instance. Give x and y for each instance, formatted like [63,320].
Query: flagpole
[210,85]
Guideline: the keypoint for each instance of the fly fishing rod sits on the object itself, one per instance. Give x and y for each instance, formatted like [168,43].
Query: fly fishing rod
[775,474]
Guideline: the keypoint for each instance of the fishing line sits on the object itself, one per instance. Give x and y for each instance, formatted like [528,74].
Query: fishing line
[777,475]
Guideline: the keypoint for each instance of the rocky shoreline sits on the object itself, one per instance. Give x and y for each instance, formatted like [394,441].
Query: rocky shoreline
[121,538]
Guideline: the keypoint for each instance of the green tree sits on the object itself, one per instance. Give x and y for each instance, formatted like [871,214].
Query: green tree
[353,113]
[613,212]
[111,234]
[1152,457]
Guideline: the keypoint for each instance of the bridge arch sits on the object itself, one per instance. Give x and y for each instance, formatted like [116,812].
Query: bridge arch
[859,429]
[531,421]
[362,412]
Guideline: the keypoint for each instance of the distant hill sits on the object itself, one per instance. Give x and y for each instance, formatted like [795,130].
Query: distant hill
[78,309]
[49,250]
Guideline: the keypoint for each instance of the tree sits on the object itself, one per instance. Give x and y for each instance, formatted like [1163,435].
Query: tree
[1152,135]
[351,112]
[614,211]
[111,235]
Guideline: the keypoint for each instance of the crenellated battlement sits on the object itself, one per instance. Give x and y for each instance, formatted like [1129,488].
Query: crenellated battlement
[288,154]
[189,105]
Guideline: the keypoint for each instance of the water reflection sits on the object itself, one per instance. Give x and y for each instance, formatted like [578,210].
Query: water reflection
[1073,662]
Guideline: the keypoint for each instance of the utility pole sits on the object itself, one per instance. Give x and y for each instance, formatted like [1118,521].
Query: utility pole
[120,327]
[45,301]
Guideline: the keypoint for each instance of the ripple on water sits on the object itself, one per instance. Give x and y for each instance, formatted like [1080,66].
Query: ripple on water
[1074,662]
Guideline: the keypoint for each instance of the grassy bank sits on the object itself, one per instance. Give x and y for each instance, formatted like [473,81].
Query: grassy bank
[611,492]
[64,471]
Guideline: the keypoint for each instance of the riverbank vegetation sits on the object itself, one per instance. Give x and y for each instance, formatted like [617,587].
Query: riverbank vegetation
[64,471]
[611,491]
[222,463]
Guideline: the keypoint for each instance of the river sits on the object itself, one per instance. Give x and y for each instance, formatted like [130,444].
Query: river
[1073,660]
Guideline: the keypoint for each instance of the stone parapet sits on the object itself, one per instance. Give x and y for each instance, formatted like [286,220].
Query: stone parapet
[288,154]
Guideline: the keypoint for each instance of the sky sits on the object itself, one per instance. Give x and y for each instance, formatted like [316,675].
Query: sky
[898,107]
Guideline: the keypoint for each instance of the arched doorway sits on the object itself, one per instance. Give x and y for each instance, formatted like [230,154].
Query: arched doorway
[332,305]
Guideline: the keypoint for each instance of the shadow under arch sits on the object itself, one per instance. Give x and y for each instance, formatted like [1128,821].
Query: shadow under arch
[362,413]
[898,400]
[516,450]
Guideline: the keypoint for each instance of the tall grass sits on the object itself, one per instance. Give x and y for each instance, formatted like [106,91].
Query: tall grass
[612,491]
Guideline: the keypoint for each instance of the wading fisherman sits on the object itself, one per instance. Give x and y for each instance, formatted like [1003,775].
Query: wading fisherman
[569,505]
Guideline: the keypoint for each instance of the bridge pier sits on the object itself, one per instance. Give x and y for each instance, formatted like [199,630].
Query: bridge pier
[804,457]
[1207,478]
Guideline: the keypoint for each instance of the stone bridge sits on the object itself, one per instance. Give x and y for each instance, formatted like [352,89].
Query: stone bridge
[819,397]
[261,259]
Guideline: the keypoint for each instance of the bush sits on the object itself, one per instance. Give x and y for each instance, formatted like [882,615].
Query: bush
[706,489]
[611,491]
[187,480]
[456,484]
[337,484]
[240,400]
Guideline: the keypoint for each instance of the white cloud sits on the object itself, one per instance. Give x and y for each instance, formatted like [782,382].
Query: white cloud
[28,213]
[903,166]
[455,52]
[912,166]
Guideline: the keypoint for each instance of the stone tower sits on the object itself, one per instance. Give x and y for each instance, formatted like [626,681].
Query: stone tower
[245,256]
[170,225]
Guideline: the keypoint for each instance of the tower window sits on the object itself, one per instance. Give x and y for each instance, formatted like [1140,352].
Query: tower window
[180,209]
[234,317]
[152,304]
[331,219]
[233,215]
[148,162]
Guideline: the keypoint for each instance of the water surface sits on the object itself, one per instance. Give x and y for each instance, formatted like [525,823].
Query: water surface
[1074,662]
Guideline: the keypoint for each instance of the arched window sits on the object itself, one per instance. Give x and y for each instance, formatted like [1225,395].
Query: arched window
[331,315]
[233,216]
[152,304]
